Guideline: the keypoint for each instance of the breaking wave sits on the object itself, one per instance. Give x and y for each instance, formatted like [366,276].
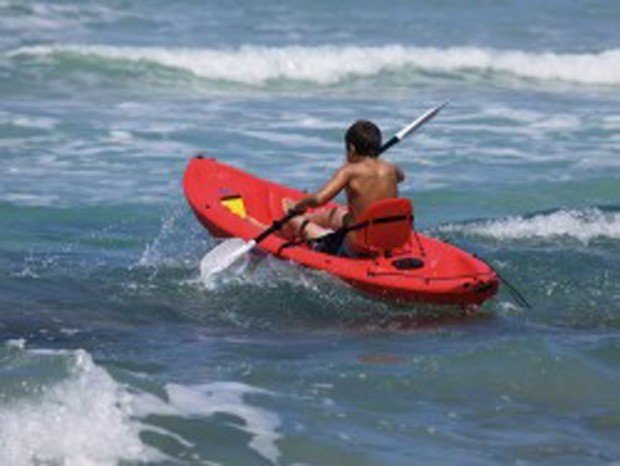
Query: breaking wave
[84,419]
[330,64]
[70,410]
[583,225]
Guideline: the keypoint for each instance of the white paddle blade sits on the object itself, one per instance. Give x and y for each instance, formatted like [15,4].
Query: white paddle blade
[223,256]
[410,128]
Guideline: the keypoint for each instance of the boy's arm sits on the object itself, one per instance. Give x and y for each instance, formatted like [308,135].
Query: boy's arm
[327,192]
[400,175]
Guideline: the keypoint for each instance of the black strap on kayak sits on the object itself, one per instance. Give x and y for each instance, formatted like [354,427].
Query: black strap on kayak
[355,227]
[376,221]
[390,219]
[290,244]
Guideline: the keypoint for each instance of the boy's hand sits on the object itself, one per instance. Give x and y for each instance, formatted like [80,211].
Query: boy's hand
[300,209]
[290,206]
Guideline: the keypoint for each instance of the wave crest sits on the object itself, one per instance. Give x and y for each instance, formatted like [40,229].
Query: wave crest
[330,64]
[583,225]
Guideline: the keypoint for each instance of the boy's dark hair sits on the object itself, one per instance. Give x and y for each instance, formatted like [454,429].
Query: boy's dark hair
[365,136]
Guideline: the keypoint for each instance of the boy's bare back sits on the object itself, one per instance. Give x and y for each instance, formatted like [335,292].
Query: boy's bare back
[370,180]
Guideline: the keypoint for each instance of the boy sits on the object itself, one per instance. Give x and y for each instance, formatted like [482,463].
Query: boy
[365,179]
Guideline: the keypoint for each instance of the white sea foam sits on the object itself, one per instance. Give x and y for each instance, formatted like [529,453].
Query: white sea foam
[228,397]
[308,122]
[85,419]
[330,64]
[44,123]
[611,122]
[288,139]
[120,136]
[223,398]
[45,16]
[534,120]
[34,200]
[17,343]
[583,225]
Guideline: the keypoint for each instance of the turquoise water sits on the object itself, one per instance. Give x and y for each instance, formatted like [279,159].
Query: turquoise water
[112,350]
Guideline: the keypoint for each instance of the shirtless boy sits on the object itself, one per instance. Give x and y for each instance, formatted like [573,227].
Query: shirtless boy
[365,179]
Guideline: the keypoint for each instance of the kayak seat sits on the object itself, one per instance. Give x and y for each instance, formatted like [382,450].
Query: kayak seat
[384,226]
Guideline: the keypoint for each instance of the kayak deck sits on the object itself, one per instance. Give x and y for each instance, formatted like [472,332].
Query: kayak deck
[425,270]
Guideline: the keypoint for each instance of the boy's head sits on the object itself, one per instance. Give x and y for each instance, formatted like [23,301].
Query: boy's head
[363,138]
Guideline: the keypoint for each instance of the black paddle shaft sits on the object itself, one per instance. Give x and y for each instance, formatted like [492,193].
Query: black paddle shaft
[276,225]
[387,145]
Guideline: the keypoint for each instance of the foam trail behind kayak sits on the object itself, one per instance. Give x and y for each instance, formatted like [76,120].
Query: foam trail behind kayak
[223,256]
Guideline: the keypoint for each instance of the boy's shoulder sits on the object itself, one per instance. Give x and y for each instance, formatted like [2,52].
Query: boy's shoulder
[366,168]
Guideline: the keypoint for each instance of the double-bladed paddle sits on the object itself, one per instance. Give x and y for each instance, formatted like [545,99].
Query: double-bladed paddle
[226,253]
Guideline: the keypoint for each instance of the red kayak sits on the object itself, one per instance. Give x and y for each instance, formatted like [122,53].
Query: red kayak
[421,269]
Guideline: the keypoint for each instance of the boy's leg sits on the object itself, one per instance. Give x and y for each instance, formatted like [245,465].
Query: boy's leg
[331,218]
[295,228]
[303,227]
[313,225]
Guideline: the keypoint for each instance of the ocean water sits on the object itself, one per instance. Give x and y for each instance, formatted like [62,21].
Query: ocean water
[112,351]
